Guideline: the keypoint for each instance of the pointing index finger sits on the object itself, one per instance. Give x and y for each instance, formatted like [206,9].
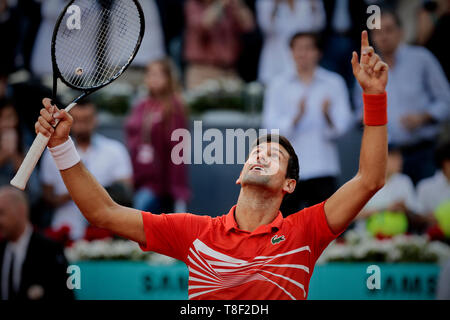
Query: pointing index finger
[364,40]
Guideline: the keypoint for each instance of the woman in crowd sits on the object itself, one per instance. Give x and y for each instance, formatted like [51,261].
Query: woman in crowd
[160,185]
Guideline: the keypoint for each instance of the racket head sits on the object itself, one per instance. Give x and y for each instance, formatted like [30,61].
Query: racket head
[95,41]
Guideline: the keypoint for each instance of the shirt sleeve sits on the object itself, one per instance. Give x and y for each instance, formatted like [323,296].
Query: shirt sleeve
[315,226]
[264,10]
[172,234]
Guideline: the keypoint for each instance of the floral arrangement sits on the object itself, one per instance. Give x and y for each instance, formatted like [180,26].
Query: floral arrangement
[230,94]
[357,247]
[111,249]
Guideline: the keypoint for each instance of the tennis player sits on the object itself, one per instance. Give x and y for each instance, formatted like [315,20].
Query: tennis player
[252,252]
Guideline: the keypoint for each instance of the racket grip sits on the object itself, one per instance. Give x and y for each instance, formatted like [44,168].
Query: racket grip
[29,163]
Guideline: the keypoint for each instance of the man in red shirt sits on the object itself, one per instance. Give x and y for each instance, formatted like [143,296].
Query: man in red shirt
[252,252]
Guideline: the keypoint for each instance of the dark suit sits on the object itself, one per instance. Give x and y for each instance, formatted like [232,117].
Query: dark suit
[43,271]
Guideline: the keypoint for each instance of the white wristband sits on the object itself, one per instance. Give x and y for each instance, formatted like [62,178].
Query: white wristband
[65,155]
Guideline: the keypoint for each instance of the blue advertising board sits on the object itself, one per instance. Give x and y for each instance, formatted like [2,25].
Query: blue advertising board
[126,280]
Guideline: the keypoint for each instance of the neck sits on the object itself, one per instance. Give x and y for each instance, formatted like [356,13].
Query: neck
[306,75]
[83,143]
[256,208]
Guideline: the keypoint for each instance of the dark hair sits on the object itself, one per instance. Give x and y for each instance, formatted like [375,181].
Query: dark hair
[317,39]
[442,153]
[293,168]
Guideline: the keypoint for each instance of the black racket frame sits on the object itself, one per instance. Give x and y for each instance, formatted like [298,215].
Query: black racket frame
[57,73]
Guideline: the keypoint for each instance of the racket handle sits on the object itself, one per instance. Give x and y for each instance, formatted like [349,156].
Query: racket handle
[29,163]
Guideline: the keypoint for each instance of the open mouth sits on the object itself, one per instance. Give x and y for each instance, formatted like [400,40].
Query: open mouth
[258,167]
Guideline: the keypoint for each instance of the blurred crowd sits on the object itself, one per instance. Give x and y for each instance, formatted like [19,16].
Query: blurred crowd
[299,50]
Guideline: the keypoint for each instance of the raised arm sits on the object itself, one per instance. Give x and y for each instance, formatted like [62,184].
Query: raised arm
[343,206]
[90,197]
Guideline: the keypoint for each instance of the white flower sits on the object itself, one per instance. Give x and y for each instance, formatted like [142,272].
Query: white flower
[441,250]
[231,86]
[255,88]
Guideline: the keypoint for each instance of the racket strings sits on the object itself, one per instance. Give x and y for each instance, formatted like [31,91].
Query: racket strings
[102,47]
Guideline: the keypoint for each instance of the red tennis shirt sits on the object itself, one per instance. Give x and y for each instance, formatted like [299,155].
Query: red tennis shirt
[273,262]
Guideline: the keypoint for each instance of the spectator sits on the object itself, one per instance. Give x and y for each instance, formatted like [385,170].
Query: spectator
[107,159]
[212,41]
[310,106]
[159,183]
[418,95]
[13,148]
[279,20]
[435,191]
[398,195]
[32,267]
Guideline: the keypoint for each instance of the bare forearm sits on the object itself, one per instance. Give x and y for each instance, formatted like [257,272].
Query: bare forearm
[373,156]
[345,204]
[89,196]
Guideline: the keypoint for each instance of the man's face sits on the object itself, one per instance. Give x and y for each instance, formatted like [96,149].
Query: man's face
[390,35]
[84,122]
[8,217]
[156,78]
[8,118]
[305,53]
[266,167]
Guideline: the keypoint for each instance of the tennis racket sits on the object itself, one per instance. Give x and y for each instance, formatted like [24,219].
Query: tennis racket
[93,43]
